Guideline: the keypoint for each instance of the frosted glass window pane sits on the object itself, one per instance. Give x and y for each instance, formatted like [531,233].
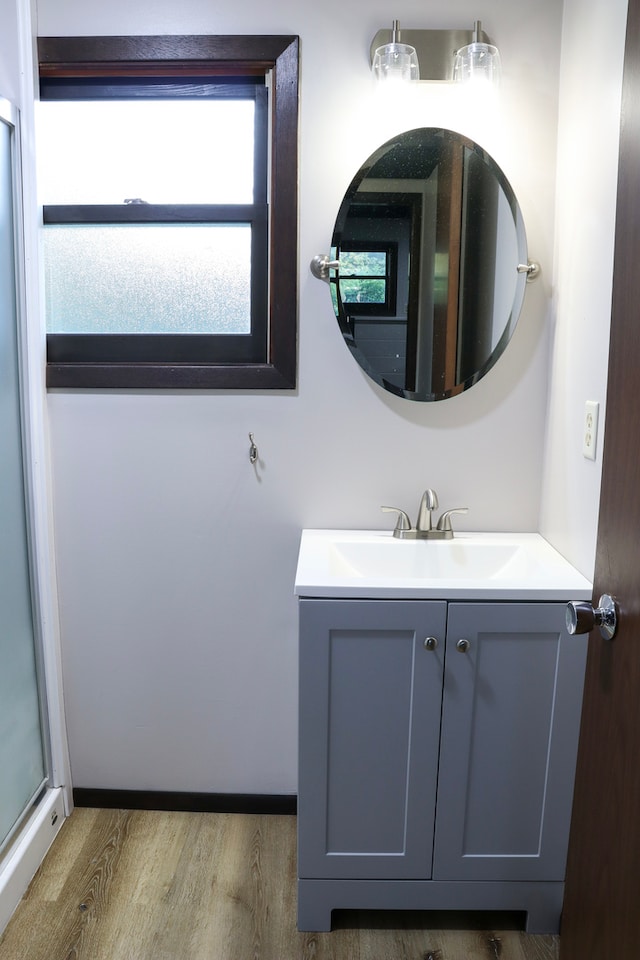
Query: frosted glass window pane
[162,151]
[192,278]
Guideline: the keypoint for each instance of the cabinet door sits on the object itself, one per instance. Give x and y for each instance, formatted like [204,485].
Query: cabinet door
[510,724]
[370,703]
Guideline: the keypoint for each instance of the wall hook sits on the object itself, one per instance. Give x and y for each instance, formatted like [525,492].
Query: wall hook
[253,450]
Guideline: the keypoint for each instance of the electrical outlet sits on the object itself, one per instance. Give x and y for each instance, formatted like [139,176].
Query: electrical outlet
[590,429]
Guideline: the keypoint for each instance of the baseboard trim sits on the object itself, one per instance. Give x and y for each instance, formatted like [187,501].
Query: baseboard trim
[195,802]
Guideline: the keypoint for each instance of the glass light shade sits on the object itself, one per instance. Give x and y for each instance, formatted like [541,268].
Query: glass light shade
[477,62]
[396,62]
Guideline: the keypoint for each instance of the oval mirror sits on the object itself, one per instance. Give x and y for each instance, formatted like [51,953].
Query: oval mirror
[431,264]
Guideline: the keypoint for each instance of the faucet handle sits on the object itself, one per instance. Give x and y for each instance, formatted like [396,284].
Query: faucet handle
[444,523]
[403,524]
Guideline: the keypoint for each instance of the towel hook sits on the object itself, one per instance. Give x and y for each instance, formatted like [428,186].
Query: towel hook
[253,450]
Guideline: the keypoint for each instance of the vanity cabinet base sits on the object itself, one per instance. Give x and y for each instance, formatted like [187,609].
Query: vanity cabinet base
[542,901]
[437,754]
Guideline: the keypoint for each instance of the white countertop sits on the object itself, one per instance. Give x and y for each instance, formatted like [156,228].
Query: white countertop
[471,566]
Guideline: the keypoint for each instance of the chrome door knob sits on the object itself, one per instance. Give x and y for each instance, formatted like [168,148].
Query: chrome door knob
[462,646]
[431,643]
[582,617]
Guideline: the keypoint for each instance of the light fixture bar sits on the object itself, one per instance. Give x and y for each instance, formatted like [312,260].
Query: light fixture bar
[435,48]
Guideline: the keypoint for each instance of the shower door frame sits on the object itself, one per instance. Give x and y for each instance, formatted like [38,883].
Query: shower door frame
[39,824]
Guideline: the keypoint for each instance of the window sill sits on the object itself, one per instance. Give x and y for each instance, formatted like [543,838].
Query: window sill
[149,376]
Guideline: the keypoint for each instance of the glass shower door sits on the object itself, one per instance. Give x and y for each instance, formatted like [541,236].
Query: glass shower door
[22,758]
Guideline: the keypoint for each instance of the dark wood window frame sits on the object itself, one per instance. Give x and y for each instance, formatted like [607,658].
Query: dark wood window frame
[201,56]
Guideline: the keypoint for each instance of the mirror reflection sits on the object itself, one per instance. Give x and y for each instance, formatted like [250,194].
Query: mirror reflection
[428,239]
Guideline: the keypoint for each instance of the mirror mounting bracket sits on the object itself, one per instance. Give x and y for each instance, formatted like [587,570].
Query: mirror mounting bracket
[321,264]
[531,268]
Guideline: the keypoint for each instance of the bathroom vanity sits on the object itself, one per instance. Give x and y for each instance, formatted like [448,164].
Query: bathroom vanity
[440,697]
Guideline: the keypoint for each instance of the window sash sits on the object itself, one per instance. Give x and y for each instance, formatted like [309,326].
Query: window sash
[212,348]
[170,347]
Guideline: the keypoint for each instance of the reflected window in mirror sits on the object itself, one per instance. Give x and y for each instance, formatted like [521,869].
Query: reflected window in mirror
[368,279]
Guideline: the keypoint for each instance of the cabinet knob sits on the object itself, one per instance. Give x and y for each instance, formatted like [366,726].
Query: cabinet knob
[430,643]
[462,646]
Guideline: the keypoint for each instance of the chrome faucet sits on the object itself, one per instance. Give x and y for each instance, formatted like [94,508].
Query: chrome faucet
[424,529]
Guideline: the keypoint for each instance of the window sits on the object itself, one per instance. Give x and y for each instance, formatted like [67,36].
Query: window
[161,270]
[368,274]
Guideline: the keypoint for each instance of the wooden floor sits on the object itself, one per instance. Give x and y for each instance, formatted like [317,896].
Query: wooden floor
[140,885]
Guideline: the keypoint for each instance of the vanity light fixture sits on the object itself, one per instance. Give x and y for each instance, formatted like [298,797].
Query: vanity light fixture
[447,55]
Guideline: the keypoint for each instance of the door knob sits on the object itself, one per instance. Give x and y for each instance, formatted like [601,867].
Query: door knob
[462,646]
[431,643]
[582,617]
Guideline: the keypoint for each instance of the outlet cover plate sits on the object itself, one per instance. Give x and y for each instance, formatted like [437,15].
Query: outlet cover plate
[590,429]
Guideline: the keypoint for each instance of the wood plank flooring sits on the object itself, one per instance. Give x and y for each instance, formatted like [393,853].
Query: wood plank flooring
[141,885]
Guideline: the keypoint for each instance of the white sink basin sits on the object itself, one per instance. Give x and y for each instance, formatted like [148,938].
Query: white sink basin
[370,563]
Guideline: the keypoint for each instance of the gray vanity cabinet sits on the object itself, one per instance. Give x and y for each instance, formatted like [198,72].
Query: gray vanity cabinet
[437,755]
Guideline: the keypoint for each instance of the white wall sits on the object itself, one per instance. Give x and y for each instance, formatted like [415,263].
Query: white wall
[176,559]
[589,123]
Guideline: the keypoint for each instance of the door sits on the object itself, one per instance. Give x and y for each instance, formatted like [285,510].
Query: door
[370,700]
[601,917]
[510,723]
[22,761]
